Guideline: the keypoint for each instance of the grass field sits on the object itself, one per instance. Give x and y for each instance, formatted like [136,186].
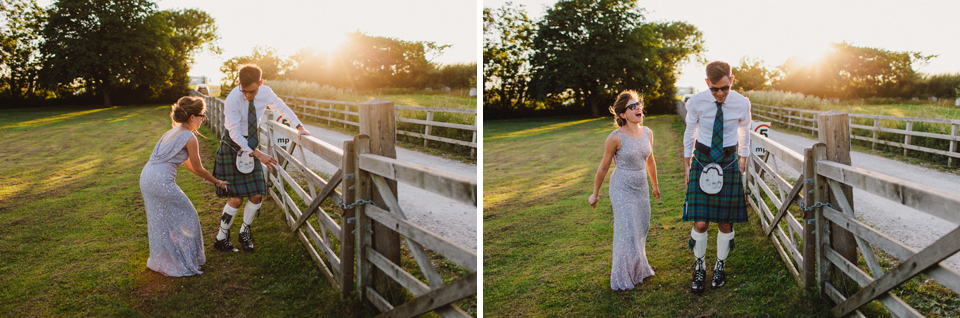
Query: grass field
[546,253]
[73,235]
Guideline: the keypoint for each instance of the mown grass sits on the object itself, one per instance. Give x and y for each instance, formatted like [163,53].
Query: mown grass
[73,235]
[546,253]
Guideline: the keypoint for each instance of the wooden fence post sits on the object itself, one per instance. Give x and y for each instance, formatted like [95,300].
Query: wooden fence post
[347,245]
[809,219]
[906,138]
[426,131]
[364,234]
[378,120]
[835,133]
[876,130]
[953,144]
[822,237]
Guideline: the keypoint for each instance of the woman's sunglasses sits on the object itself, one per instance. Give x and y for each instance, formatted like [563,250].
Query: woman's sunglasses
[634,106]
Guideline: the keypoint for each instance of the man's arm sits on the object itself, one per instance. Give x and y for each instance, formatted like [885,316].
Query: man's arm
[277,104]
[688,137]
[744,133]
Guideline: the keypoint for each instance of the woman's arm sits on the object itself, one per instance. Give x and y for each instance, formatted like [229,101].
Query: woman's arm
[610,147]
[193,163]
[652,168]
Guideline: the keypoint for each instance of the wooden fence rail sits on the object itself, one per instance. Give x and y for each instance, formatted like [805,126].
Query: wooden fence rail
[360,173]
[806,120]
[825,206]
[330,111]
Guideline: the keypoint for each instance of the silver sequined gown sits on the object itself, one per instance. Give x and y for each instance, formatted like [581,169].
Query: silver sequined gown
[630,197]
[173,226]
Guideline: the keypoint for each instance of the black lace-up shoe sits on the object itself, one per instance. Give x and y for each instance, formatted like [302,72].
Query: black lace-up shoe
[719,276]
[699,277]
[246,239]
[224,245]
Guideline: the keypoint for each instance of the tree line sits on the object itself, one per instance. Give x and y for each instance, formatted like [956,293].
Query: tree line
[129,51]
[363,62]
[848,72]
[579,56]
[84,50]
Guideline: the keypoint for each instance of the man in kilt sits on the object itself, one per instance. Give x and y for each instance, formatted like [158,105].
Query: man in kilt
[716,138]
[242,111]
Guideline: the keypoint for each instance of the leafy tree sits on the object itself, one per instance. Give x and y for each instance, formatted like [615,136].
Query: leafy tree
[507,34]
[848,71]
[939,85]
[676,43]
[273,65]
[457,75]
[376,62]
[592,49]
[751,75]
[19,47]
[192,32]
[106,45]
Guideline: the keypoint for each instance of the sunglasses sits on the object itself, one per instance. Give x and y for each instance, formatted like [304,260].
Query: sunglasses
[249,92]
[634,105]
[715,89]
[201,115]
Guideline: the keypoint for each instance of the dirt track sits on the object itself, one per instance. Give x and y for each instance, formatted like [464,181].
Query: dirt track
[451,219]
[914,228]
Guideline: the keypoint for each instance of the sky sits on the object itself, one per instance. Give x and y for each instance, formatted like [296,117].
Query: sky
[774,31]
[289,26]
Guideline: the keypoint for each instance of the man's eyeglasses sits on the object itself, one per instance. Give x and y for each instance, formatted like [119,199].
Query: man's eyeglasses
[634,106]
[715,89]
[249,92]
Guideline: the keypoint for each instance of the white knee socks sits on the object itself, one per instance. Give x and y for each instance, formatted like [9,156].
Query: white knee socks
[700,245]
[226,219]
[249,213]
[723,245]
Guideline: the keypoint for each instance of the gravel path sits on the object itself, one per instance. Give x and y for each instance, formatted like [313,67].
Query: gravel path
[450,219]
[914,228]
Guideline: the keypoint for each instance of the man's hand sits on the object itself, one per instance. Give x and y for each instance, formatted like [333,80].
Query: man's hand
[686,170]
[743,165]
[265,159]
[302,132]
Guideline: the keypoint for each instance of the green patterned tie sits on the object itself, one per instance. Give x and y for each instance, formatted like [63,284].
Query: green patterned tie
[253,139]
[716,146]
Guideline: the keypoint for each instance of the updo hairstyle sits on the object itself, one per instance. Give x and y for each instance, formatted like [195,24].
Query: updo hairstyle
[620,106]
[185,107]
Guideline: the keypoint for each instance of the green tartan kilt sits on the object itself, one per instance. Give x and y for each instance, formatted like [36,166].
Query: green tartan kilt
[726,206]
[225,168]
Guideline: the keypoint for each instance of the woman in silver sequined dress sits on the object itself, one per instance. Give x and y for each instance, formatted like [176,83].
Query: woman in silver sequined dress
[173,226]
[631,147]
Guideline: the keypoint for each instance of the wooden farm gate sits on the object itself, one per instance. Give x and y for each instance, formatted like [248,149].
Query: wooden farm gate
[369,203]
[823,222]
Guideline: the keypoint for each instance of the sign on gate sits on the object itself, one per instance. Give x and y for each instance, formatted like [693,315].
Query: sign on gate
[761,128]
[281,140]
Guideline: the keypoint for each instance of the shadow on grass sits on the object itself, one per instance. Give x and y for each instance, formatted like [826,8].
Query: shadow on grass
[73,238]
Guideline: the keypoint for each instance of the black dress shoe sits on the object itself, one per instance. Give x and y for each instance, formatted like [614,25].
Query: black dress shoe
[719,276]
[699,277]
[246,240]
[224,245]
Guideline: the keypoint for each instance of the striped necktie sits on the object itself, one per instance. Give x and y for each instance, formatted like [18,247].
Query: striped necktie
[253,139]
[716,145]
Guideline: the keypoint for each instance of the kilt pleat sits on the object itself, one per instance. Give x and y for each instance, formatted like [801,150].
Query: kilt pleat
[726,206]
[225,168]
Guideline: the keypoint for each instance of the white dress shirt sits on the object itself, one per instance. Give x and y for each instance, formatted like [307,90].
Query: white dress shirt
[701,111]
[236,107]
